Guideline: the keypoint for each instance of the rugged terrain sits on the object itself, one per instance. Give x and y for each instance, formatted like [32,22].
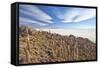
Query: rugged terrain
[43,47]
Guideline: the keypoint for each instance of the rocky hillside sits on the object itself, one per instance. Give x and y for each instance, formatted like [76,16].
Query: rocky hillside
[43,47]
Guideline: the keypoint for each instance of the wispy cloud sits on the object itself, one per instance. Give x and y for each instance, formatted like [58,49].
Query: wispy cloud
[23,20]
[85,14]
[35,12]
[56,17]
[57,12]
[78,15]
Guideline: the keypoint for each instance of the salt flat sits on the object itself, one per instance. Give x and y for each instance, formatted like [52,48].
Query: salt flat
[85,33]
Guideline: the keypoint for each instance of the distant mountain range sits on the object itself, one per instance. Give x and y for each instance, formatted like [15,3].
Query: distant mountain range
[43,47]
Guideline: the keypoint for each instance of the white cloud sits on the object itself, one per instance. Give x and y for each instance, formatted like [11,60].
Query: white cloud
[23,20]
[36,13]
[78,15]
[86,14]
[70,15]
[57,12]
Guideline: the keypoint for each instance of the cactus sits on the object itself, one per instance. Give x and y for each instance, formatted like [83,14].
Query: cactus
[43,47]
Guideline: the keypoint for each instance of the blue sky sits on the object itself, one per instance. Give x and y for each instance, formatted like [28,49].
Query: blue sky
[54,17]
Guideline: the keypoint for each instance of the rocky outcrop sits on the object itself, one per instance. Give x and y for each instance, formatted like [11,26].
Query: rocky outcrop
[43,47]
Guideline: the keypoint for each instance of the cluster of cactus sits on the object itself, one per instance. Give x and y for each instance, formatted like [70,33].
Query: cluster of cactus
[43,47]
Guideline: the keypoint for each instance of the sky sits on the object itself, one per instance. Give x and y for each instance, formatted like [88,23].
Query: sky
[55,17]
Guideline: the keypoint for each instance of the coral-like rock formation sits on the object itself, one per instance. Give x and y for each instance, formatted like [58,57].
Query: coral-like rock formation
[43,47]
